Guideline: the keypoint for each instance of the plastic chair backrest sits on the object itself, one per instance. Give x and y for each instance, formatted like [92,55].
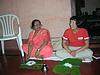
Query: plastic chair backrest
[7,22]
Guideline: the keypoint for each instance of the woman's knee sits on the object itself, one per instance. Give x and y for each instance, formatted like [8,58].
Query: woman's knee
[90,52]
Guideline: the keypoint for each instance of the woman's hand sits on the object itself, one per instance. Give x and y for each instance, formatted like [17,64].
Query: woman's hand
[73,53]
[30,48]
[27,57]
[37,53]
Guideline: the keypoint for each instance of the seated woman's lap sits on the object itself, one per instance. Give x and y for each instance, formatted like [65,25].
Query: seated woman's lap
[45,52]
[83,54]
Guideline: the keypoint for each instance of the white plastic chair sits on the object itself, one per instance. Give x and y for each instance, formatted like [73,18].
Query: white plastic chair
[7,22]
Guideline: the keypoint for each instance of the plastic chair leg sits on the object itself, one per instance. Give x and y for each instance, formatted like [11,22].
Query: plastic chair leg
[2,45]
[19,42]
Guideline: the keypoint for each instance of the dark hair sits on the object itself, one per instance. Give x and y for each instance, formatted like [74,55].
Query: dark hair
[74,18]
[33,22]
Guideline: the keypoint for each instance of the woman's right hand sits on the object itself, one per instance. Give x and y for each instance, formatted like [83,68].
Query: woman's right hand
[73,53]
[37,53]
[27,57]
[30,47]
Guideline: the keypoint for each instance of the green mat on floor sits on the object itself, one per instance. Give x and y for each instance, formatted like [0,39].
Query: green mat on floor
[68,66]
[35,66]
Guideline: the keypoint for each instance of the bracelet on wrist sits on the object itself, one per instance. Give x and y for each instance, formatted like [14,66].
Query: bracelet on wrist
[38,49]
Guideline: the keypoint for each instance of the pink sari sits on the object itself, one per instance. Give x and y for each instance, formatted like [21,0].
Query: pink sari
[42,35]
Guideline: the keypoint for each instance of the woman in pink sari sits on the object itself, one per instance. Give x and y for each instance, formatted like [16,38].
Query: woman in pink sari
[39,44]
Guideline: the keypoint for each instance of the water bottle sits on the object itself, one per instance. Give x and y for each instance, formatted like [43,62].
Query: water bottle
[45,68]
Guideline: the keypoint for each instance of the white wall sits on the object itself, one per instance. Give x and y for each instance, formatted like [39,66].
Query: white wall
[54,14]
[91,5]
[73,8]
